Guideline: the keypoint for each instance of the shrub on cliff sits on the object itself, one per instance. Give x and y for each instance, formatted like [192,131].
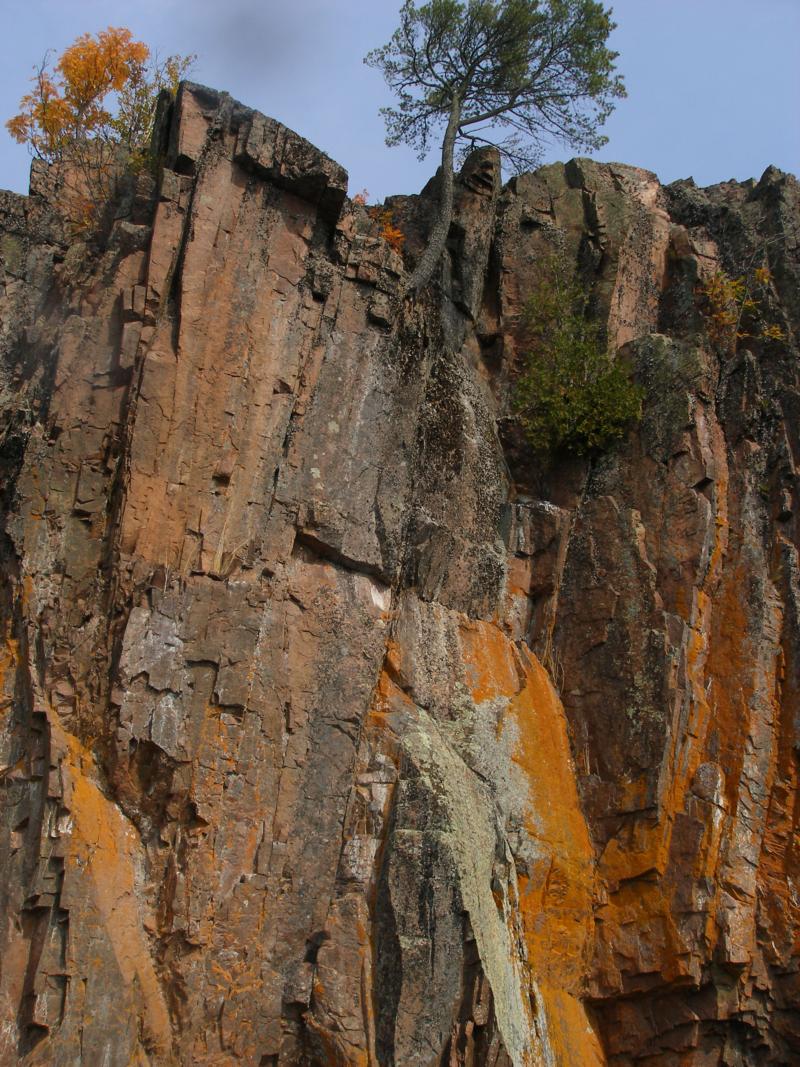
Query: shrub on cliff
[92,111]
[734,309]
[571,393]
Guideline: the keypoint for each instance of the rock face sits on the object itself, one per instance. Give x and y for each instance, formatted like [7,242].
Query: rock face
[337,727]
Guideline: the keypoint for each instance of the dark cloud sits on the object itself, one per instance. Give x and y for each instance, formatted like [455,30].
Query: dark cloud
[272,37]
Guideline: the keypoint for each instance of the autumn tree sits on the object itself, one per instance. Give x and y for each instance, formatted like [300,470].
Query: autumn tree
[93,111]
[515,74]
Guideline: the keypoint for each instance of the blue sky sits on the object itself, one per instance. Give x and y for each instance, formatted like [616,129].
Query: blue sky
[714,85]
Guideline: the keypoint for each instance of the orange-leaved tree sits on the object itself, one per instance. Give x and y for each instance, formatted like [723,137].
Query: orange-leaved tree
[93,112]
[391,234]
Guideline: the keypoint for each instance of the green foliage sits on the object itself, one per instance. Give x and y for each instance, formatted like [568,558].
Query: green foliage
[571,394]
[518,72]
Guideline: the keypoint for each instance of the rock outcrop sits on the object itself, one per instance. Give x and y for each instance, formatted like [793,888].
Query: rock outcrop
[336,726]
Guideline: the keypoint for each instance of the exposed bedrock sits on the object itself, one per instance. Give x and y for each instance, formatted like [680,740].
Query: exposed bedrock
[336,726]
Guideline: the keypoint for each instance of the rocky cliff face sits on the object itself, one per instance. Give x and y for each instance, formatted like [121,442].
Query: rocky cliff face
[336,726]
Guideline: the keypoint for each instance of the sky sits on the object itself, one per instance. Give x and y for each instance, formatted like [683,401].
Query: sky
[713,85]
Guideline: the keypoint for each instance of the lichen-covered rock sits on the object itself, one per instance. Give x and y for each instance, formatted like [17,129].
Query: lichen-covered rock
[287,606]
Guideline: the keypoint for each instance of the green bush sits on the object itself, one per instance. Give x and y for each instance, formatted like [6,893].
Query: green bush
[571,394]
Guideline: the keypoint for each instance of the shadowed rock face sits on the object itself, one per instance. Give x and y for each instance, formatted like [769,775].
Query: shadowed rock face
[286,778]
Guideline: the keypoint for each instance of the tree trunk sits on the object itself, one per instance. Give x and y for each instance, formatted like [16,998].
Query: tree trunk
[430,258]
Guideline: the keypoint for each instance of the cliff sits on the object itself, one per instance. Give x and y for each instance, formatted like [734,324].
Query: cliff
[336,726]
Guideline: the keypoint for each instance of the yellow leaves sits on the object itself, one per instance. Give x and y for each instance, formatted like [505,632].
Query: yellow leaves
[94,66]
[732,312]
[93,112]
[70,104]
[773,333]
[43,119]
[84,214]
[390,233]
[394,237]
[720,296]
[18,128]
[174,69]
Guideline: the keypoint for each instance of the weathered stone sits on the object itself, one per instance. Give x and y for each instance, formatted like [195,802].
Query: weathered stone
[287,606]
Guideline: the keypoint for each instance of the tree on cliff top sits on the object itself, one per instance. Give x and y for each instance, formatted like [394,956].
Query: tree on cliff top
[515,74]
[95,106]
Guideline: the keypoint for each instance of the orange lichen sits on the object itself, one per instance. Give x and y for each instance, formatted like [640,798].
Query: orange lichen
[102,853]
[571,1035]
[489,661]
[561,888]
[9,659]
[555,894]
[634,864]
